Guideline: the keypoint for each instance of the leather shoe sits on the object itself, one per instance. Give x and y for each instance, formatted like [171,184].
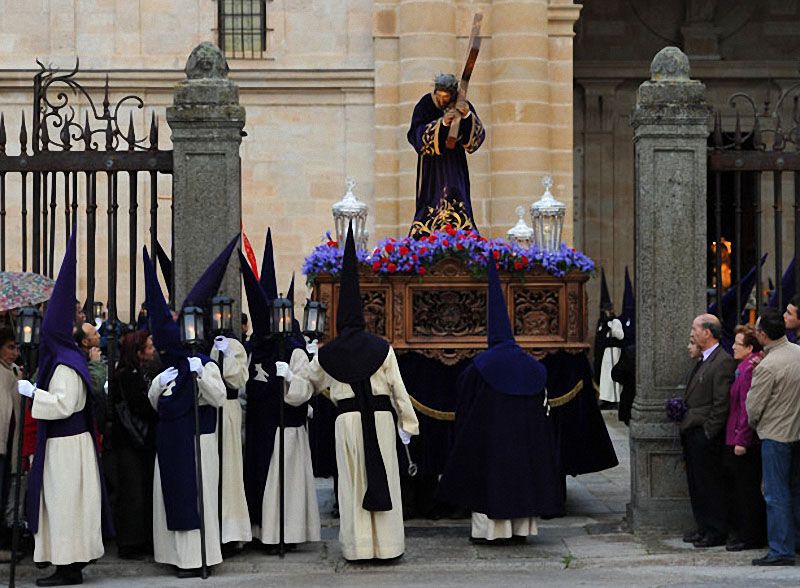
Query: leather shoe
[709,541]
[62,578]
[742,546]
[773,561]
[692,536]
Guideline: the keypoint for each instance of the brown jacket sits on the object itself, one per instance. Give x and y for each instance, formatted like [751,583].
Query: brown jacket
[773,403]
[708,392]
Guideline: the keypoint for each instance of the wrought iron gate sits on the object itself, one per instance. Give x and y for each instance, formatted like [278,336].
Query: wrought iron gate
[72,166]
[758,155]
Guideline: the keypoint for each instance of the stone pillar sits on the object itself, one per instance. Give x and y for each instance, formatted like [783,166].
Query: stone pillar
[206,121]
[521,112]
[670,132]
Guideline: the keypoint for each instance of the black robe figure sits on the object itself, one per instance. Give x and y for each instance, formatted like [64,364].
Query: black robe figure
[504,466]
[443,191]
[264,390]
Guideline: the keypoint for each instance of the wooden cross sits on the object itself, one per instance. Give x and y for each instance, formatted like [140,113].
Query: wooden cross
[472,56]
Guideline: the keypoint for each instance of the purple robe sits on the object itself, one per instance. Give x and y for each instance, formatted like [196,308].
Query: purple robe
[443,194]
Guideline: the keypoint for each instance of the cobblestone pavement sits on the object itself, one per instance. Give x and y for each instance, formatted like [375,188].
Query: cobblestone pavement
[589,547]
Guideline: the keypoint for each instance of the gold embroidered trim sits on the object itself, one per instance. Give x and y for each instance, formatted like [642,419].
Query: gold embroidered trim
[446,213]
[477,134]
[429,137]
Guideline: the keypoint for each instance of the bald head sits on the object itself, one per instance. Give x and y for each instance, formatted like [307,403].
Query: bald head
[706,331]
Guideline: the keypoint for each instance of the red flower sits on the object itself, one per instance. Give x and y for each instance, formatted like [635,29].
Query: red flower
[450,230]
[384,260]
[389,248]
[332,244]
[496,254]
[423,250]
[524,260]
[518,265]
[376,266]
[445,243]
[391,268]
[459,246]
[448,227]
[403,250]
[414,257]
[421,271]
[497,265]
[432,239]
[483,239]
[573,250]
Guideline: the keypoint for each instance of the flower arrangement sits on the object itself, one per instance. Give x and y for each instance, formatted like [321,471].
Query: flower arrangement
[676,409]
[412,256]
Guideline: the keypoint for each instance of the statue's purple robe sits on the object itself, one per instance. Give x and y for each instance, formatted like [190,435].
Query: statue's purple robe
[443,193]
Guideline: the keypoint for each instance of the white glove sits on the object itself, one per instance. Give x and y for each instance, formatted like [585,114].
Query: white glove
[312,347]
[196,366]
[310,412]
[282,371]
[404,437]
[167,376]
[105,387]
[25,388]
[221,344]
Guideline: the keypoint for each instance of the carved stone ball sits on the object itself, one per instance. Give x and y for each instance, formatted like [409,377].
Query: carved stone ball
[206,62]
[670,65]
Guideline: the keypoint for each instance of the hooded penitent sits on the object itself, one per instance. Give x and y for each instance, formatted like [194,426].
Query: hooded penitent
[264,388]
[57,347]
[787,287]
[628,316]
[297,331]
[175,433]
[352,357]
[731,314]
[166,266]
[504,461]
[601,338]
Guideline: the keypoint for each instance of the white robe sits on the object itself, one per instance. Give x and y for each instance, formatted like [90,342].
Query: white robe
[301,509]
[182,548]
[609,389]
[485,528]
[235,516]
[70,525]
[364,534]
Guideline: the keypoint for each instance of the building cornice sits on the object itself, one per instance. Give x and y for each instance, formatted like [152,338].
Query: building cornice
[701,70]
[255,80]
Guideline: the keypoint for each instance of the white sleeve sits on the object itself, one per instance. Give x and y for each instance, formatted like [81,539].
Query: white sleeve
[66,395]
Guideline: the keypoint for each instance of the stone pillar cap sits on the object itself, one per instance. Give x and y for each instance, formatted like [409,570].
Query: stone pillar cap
[670,65]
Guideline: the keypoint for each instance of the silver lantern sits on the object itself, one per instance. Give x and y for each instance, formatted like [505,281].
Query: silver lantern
[348,209]
[547,218]
[521,233]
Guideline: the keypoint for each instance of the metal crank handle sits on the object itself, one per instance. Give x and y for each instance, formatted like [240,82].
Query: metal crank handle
[412,467]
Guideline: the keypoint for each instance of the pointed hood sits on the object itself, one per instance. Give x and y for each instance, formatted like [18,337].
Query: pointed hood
[628,316]
[731,315]
[787,287]
[505,366]
[256,301]
[605,297]
[166,267]
[208,284]
[297,330]
[268,281]
[353,355]
[165,331]
[56,342]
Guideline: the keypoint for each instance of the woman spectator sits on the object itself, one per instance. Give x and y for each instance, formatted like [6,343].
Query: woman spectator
[742,457]
[133,437]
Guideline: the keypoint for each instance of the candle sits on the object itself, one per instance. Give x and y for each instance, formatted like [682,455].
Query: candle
[27,333]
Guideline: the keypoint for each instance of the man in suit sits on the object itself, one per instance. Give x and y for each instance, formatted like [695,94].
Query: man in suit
[703,431]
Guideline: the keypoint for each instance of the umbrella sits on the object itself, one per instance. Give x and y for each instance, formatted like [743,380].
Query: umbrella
[19,289]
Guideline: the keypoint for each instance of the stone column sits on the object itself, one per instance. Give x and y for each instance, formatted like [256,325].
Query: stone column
[670,132]
[520,88]
[206,121]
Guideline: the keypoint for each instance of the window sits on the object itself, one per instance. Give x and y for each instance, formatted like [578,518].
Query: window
[242,28]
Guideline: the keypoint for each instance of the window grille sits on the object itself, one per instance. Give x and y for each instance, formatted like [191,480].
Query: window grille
[243,28]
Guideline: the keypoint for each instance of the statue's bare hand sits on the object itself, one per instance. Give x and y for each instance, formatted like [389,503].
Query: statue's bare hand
[449,117]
